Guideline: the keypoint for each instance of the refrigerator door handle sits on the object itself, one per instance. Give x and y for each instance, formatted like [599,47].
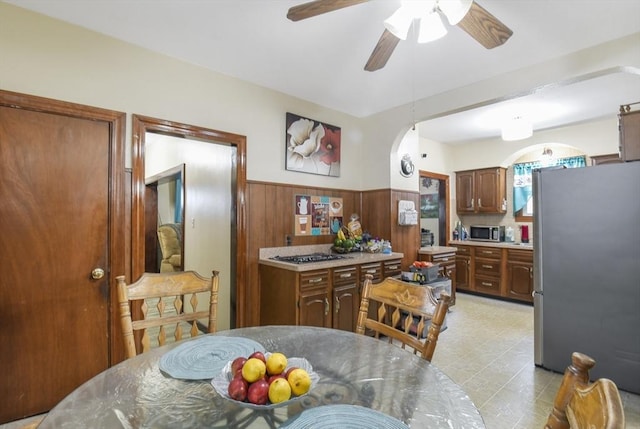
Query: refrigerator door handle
[535,292]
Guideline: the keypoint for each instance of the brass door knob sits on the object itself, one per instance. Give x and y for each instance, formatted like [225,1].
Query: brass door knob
[97,273]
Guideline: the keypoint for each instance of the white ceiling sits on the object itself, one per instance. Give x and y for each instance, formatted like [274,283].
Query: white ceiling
[322,59]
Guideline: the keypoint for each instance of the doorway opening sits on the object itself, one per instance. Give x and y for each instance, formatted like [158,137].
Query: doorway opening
[214,180]
[434,209]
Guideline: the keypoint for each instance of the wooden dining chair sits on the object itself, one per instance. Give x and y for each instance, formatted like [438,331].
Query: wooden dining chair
[403,312]
[580,404]
[163,307]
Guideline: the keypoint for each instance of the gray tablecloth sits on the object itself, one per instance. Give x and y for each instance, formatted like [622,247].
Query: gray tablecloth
[353,369]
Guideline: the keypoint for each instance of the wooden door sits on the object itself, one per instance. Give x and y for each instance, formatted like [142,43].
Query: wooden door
[54,218]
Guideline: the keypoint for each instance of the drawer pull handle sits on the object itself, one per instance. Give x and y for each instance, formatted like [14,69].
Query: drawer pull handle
[486,284]
[345,275]
[318,280]
[488,252]
[444,259]
[326,306]
[392,267]
[487,266]
[371,271]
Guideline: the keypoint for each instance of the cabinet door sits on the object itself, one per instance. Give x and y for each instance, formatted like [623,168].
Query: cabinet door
[520,280]
[465,192]
[489,191]
[345,307]
[463,272]
[315,308]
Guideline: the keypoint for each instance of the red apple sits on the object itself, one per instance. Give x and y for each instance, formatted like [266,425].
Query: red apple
[237,364]
[258,392]
[274,377]
[238,389]
[258,355]
[288,370]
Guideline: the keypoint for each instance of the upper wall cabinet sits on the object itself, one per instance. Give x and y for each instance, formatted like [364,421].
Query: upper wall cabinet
[481,191]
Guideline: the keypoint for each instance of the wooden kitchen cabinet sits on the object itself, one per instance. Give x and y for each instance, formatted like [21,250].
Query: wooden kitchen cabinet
[487,270]
[463,268]
[315,307]
[325,297]
[520,274]
[481,191]
[346,298]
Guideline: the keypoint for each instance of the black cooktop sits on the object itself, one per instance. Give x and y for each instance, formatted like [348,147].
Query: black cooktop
[312,257]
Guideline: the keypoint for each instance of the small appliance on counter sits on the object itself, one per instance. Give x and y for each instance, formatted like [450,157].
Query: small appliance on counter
[524,233]
[508,235]
[486,233]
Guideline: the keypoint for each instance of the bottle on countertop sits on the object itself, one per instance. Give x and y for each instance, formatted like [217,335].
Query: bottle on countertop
[455,234]
[386,247]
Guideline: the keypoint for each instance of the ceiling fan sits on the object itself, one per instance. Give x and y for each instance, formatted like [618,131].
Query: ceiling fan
[466,14]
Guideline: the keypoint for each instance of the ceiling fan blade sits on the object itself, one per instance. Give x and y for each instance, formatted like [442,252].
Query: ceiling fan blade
[318,7]
[484,27]
[382,52]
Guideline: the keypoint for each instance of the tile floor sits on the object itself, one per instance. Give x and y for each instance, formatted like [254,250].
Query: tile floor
[488,350]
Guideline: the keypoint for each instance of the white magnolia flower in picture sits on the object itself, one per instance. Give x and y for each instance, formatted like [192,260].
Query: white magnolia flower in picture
[312,147]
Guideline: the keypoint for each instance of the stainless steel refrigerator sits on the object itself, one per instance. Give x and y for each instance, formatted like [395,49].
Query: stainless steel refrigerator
[586,238]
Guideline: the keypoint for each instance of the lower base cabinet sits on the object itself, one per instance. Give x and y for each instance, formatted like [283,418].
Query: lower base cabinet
[325,298]
[520,275]
[500,272]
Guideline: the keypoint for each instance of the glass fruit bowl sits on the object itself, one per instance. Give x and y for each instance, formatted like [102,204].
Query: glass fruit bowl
[221,383]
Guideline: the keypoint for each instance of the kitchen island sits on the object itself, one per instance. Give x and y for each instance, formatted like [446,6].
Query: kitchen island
[496,269]
[326,293]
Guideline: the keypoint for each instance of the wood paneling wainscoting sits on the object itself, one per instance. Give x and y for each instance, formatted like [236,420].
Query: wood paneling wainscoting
[271,215]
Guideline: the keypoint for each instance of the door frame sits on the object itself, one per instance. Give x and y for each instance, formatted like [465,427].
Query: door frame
[117,244]
[143,124]
[446,198]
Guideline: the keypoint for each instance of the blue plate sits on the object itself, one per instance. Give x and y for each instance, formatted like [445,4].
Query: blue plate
[203,358]
[343,416]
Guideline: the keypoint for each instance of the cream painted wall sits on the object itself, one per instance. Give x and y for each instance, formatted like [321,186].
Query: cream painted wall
[45,57]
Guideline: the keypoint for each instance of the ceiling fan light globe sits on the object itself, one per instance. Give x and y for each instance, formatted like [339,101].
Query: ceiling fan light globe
[399,23]
[454,10]
[431,28]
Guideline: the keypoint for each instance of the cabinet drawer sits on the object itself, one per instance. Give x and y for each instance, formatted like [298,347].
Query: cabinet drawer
[487,284]
[488,252]
[345,275]
[374,269]
[314,278]
[443,258]
[463,250]
[392,268]
[520,255]
[487,267]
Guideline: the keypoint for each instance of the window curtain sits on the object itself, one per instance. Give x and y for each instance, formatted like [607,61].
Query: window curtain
[522,187]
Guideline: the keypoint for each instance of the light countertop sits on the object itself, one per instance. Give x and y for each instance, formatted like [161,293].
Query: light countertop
[354,258]
[436,250]
[502,245]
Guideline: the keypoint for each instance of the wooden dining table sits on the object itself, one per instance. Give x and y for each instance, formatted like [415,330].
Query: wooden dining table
[355,372]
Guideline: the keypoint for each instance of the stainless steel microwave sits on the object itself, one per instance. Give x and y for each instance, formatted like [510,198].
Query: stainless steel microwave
[486,233]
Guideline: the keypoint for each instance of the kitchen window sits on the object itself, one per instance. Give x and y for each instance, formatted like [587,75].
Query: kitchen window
[522,187]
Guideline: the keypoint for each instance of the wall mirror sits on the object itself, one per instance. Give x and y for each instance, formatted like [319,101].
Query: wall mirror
[434,209]
[192,179]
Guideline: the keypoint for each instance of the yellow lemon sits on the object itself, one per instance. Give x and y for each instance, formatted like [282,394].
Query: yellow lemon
[253,369]
[276,363]
[300,381]
[279,391]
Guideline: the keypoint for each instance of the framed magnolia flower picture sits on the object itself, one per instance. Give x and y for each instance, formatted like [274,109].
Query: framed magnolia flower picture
[312,146]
